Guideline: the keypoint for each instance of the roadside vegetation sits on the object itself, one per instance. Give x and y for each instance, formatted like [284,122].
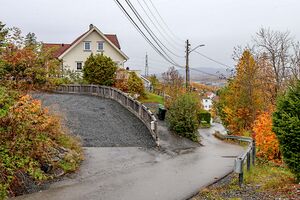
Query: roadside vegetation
[33,144]
[130,83]
[262,101]
[263,181]
[34,147]
[182,116]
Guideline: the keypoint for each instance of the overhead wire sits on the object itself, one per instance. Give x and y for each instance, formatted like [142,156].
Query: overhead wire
[211,59]
[160,16]
[159,50]
[160,24]
[150,32]
[142,33]
[161,32]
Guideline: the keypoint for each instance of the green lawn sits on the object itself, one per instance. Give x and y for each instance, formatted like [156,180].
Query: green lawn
[152,98]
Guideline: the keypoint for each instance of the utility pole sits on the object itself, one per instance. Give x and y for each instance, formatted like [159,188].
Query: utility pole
[187,69]
[146,66]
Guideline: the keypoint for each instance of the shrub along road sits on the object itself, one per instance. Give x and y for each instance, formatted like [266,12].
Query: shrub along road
[176,171]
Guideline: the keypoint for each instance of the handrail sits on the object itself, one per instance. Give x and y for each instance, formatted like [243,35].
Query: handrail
[240,160]
[134,106]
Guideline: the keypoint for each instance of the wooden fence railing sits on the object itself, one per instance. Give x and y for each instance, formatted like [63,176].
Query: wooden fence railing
[134,106]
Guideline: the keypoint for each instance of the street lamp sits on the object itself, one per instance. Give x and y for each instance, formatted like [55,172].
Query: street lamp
[201,45]
[187,69]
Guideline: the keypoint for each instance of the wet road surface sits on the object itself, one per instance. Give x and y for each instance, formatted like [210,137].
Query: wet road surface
[135,173]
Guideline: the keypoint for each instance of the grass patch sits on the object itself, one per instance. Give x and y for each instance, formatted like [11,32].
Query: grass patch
[270,176]
[264,181]
[152,98]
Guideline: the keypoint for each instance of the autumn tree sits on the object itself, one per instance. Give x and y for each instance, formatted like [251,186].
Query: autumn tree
[26,61]
[99,69]
[266,140]
[241,100]
[121,80]
[135,84]
[155,84]
[295,61]
[275,47]
[172,85]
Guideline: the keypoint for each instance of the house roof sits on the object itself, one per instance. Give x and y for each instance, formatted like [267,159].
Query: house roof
[59,49]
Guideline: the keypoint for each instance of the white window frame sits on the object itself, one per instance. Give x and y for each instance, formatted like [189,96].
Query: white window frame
[100,42]
[77,62]
[84,42]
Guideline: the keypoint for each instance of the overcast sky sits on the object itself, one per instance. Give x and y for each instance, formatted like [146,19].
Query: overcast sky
[219,24]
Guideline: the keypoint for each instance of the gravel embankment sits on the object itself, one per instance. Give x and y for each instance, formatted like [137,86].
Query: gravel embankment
[99,122]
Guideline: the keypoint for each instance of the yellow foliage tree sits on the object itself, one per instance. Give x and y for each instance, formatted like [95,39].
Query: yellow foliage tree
[242,99]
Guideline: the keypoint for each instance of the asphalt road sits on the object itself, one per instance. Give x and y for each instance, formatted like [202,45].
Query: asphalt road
[136,173]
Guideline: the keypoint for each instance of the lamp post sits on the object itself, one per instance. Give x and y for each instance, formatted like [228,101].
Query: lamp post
[187,68]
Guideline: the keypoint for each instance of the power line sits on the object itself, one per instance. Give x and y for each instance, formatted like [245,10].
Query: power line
[203,72]
[150,32]
[211,59]
[141,32]
[164,34]
[164,55]
[175,41]
[164,21]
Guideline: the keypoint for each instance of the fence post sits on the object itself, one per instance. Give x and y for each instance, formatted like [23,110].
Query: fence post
[238,168]
[253,152]
[248,160]
[140,109]
[241,178]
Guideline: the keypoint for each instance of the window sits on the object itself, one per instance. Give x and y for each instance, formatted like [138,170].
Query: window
[87,46]
[100,46]
[79,65]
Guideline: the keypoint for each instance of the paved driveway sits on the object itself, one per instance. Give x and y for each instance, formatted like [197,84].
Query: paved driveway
[138,173]
[99,122]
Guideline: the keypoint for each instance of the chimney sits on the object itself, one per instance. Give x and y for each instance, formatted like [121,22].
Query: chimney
[62,44]
[91,26]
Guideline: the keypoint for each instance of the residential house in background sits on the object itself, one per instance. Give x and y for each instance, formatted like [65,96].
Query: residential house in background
[93,41]
[207,104]
[207,101]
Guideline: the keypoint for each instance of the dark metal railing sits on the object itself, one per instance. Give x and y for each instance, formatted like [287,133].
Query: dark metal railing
[134,106]
[247,158]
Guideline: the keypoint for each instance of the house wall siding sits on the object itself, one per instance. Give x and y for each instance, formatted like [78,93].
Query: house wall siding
[77,53]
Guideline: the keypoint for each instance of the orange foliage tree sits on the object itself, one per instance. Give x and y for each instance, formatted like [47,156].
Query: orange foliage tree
[121,80]
[266,140]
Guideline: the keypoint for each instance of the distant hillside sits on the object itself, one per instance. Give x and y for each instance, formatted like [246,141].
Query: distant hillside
[203,74]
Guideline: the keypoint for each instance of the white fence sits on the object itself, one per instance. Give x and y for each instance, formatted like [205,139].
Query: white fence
[134,106]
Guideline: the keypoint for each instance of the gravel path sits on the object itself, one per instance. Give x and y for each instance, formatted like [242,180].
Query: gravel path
[99,122]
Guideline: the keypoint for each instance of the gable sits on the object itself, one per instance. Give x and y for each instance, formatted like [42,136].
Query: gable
[61,49]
